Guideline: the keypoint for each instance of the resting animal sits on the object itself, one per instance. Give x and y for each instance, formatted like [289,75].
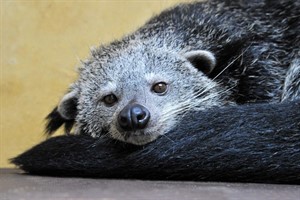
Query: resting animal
[189,58]
[257,143]
[218,81]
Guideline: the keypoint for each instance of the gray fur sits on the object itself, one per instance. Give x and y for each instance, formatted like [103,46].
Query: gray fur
[131,79]
[261,40]
[291,89]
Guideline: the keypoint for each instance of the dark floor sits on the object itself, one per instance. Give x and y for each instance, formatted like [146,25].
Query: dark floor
[15,185]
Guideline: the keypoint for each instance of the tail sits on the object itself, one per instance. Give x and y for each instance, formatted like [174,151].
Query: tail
[255,143]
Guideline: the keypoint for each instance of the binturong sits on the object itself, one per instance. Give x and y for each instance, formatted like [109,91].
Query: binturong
[192,57]
[257,143]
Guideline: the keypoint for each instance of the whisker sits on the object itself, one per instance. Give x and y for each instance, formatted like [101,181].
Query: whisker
[181,108]
[201,92]
[239,56]
[168,138]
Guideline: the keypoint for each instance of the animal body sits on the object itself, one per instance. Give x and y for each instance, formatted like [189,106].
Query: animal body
[220,80]
[192,57]
[256,143]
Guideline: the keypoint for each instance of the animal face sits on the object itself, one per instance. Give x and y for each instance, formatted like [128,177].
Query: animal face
[137,94]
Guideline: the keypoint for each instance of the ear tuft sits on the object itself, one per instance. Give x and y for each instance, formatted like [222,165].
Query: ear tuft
[64,114]
[203,60]
[55,121]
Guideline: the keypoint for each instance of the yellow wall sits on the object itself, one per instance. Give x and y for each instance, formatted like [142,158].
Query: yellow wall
[41,45]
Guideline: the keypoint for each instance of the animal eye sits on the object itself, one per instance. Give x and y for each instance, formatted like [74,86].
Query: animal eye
[110,99]
[160,88]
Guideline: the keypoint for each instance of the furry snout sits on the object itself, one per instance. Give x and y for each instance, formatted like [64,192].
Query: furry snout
[133,117]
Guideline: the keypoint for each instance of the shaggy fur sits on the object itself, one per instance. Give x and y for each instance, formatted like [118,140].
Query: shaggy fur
[257,143]
[210,54]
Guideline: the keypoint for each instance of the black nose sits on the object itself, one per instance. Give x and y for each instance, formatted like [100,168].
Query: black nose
[133,117]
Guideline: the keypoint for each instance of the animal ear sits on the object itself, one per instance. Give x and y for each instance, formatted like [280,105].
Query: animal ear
[203,60]
[67,107]
[63,114]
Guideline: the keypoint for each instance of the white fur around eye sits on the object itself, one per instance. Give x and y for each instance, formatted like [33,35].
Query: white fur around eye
[153,78]
[108,88]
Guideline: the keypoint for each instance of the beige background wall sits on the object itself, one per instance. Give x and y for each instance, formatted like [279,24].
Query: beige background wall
[41,45]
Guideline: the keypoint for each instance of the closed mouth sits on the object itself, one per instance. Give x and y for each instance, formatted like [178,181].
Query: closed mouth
[134,134]
[139,139]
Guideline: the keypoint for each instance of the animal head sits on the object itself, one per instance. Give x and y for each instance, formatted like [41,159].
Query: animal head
[136,92]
